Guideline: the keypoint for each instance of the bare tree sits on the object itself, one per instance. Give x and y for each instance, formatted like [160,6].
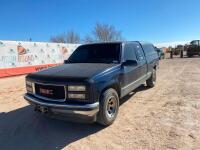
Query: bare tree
[106,32]
[70,37]
[100,33]
[58,38]
[88,39]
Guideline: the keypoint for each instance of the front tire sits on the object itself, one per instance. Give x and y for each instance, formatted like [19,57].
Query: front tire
[109,106]
[152,80]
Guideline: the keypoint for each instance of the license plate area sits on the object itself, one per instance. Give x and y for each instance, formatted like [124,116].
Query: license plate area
[42,109]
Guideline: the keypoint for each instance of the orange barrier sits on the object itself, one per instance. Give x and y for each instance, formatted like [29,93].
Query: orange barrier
[7,72]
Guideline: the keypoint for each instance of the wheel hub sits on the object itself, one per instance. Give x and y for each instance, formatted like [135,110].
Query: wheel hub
[111,107]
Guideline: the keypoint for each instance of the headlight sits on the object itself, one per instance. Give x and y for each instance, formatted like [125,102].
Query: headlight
[29,86]
[76,96]
[76,88]
[28,83]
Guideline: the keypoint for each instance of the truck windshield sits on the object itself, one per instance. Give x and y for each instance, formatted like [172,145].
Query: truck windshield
[96,53]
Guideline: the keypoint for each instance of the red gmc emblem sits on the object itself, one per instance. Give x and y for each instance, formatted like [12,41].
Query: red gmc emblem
[46,91]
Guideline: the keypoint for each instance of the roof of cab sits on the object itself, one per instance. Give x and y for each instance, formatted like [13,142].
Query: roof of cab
[117,42]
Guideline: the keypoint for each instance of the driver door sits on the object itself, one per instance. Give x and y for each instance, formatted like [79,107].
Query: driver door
[130,73]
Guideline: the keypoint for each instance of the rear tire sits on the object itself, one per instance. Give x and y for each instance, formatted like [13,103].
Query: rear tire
[109,106]
[152,80]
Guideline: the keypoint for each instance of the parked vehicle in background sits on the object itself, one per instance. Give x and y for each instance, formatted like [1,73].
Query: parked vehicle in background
[177,50]
[90,83]
[161,53]
[193,48]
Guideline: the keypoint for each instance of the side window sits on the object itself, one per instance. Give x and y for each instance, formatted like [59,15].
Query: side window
[152,48]
[149,49]
[129,52]
[139,52]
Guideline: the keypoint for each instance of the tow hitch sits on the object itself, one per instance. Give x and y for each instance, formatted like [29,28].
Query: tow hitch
[41,109]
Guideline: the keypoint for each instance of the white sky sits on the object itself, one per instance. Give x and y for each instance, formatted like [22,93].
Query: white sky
[173,44]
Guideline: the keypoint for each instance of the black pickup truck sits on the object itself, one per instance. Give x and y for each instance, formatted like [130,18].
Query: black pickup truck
[90,84]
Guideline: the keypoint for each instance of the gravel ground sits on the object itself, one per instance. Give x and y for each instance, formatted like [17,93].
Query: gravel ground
[164,117]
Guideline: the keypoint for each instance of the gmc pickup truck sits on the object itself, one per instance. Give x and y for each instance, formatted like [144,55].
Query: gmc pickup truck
[90,84]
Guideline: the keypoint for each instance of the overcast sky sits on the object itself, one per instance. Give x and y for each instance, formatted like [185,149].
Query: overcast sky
[157,21]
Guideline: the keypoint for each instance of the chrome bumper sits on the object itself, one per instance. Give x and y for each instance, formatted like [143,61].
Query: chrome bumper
[77,109]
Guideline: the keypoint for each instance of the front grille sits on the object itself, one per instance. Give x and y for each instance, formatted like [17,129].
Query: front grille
[50,92]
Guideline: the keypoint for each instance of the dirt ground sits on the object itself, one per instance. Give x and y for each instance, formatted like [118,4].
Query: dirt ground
[164,117]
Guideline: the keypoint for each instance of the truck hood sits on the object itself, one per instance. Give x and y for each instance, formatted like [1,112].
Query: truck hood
[72,71]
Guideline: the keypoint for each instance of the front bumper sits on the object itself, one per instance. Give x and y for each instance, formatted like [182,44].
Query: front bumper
[81,110]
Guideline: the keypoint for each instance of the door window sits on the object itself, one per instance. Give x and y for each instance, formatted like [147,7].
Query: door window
[139,52]
[129,52]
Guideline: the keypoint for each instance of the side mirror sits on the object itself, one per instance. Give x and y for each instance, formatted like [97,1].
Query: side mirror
[66,61]
[130,63]
[158,50]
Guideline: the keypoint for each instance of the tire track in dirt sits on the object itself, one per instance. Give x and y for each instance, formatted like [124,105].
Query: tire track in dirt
[179,136]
